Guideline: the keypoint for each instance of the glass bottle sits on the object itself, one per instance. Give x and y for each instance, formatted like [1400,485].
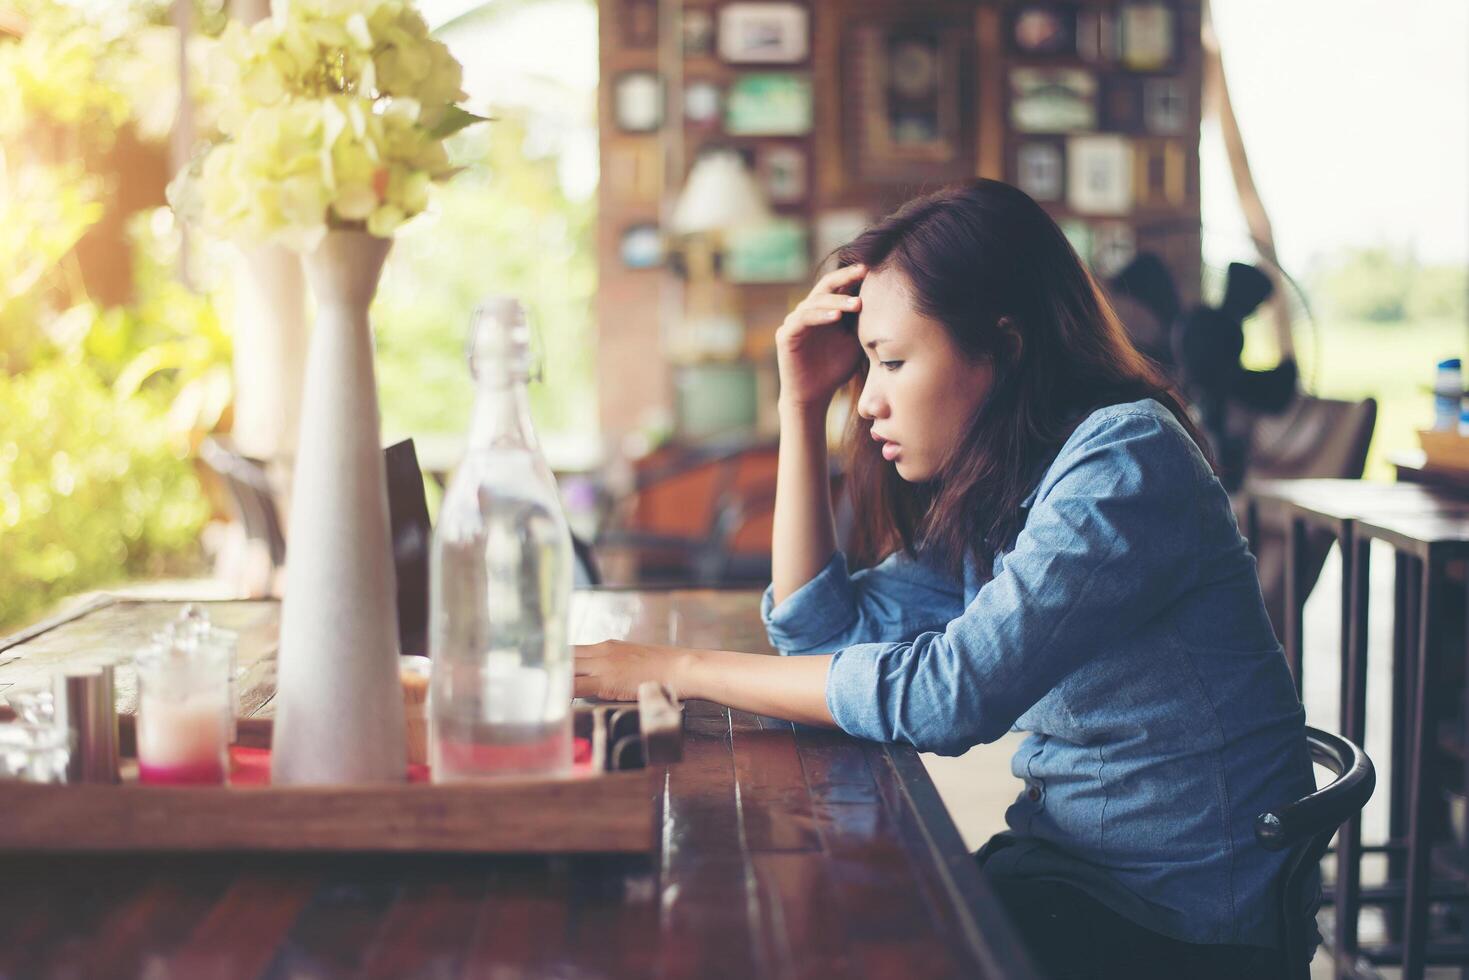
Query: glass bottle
[500,587]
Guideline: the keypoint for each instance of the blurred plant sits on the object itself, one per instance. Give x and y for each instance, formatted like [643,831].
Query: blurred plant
[171,343]
[1440,292]
[335,115]
[43,213]
[95,401]
[1385,285]
[529,240]
[56,79]
[92,489]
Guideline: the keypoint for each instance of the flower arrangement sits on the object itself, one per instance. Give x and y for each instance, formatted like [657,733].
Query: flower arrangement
[333,114]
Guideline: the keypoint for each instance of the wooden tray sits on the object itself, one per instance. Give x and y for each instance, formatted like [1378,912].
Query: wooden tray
[606,806]
[1444,450]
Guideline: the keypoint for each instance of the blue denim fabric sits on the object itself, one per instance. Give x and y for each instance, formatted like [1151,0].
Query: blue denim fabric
[1126,633]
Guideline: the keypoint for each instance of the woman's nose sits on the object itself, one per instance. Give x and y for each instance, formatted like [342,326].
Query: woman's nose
[871,404]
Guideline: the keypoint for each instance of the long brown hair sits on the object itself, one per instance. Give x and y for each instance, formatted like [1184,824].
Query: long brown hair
[989,264]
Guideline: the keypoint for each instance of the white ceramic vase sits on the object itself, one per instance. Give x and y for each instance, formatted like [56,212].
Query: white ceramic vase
[339,702]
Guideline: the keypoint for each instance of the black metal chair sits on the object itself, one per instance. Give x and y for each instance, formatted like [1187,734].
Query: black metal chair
[1305,827]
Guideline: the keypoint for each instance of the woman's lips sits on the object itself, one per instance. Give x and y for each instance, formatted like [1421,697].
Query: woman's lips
[890,451]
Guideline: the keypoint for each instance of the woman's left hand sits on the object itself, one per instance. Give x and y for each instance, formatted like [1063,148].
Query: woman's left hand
[612,670]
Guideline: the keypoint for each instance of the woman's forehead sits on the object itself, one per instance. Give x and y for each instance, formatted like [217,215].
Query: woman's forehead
[887,311]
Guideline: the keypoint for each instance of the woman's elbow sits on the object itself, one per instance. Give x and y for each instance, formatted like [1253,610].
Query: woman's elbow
[953,733]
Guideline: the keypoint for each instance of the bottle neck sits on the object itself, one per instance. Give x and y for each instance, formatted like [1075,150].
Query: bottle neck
[502,413]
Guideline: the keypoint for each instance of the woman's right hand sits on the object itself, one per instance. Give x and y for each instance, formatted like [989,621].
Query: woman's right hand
[815,352]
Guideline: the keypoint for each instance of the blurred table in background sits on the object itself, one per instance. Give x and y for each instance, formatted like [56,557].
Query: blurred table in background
[1413,467]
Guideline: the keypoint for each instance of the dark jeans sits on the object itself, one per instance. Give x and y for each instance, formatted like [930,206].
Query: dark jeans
[1072,936]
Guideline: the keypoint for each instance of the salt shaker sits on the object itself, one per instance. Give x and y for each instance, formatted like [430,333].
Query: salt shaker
[85,705]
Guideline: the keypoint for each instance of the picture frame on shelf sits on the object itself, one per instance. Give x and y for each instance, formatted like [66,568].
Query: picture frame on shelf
[702,103]
[1099,174]
[764,33]
[783,172]
[1122,104]
[1053,100]
[905,83]
[1096,36]
[637,22]
[1038,29]
[1145,31]
[633,171]
[1040,169]
[637,102]
[1114,245]
[1165,106]
[1161,176]
[768,104]
[714,399]
[696,30]
[775,252]
[640,246]
[837,228]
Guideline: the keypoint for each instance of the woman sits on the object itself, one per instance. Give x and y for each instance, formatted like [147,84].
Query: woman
[1044,547]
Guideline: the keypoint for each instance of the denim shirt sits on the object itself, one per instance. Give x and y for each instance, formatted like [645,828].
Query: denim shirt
[1125,632]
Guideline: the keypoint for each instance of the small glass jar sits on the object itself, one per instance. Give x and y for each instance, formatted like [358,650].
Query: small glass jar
[183,707]
[34,753]
[194,628]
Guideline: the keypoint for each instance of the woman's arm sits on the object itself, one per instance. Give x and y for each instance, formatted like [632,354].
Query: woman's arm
[793,688]
[816,354]
[804,534]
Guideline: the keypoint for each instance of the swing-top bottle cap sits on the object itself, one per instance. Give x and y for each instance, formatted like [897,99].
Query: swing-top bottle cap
[499,337]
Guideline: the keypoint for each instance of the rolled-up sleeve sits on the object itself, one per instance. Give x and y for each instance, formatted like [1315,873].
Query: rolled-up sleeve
[1110,542]
[895,600]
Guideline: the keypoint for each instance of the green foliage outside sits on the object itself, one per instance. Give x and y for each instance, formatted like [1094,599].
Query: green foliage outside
[95,484]
[1382,285]
[92,489]
[502,226]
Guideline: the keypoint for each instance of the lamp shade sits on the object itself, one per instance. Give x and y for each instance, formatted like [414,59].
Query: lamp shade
[720,195]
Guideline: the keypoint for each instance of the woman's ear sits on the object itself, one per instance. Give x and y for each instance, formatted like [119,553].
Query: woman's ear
[1011,342]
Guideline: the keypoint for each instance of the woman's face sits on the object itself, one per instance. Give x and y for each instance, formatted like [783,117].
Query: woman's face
[921,391]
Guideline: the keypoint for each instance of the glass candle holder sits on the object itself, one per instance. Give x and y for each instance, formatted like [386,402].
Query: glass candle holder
[193,628]
[33,705]
[34,753]
[183,707]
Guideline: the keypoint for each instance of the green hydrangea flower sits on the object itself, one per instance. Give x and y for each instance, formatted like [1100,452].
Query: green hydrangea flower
[334,114]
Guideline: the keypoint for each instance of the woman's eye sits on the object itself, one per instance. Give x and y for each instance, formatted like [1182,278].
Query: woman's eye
[890,365]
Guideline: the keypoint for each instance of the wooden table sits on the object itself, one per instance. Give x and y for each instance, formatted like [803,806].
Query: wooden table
[1430,541]
[785,852]
[1412,466]
[1427,526]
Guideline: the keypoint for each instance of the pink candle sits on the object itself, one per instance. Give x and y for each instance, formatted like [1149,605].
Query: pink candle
[182,741]
[183,715]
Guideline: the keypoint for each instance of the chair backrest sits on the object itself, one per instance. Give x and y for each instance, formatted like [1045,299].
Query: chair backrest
[411,535]
[251,498]
[1314,438]
[1305,827]
[588,574]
